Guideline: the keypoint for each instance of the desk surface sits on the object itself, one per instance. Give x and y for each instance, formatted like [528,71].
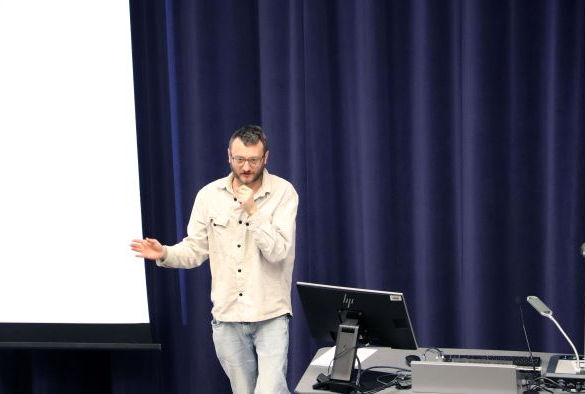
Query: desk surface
[394,358]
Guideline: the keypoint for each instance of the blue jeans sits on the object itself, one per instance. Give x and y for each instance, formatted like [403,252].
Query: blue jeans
[253,355]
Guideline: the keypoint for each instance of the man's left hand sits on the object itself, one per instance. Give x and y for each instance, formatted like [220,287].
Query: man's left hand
[245,197]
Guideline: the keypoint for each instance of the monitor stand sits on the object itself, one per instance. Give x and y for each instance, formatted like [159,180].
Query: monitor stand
[342,372]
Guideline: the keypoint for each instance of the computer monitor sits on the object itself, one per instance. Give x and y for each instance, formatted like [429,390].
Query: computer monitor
[351,316]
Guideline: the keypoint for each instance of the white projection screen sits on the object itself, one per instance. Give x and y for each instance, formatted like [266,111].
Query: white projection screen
[69,199]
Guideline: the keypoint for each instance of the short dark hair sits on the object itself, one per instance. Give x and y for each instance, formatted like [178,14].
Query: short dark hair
[250,135]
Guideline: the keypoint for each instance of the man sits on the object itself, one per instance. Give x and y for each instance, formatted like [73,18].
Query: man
[245,224]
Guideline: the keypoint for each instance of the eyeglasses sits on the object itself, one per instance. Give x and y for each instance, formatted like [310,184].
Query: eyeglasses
[253,161]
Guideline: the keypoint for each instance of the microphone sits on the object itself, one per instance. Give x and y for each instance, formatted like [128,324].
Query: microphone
[539,306]
[546,312]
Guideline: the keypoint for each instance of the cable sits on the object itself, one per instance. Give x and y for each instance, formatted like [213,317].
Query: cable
[360,372]
[526,337]
[439,352]
[532,385]
[335,357]
[397,377]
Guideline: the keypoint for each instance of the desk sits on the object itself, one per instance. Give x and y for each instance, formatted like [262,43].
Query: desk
[394,358]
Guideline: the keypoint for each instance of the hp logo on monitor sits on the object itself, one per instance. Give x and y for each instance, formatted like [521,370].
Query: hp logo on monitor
[347,301]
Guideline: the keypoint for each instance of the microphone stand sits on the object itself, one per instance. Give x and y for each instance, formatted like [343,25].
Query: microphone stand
[546,312]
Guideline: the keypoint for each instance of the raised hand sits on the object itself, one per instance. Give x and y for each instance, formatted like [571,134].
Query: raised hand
[148,248]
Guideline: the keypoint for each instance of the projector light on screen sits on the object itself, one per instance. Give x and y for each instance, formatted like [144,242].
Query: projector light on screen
[68,165]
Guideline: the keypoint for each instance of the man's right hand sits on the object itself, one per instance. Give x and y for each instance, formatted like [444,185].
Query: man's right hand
[148,248]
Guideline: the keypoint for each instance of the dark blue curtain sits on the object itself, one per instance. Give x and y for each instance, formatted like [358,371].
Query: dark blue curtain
[437,147]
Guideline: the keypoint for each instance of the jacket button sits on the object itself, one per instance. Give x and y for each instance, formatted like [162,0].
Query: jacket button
[241,294]
[239,245]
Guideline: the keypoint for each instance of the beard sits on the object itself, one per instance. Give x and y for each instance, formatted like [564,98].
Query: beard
[252,175]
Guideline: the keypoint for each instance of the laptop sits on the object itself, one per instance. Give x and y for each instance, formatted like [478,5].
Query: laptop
[464,378]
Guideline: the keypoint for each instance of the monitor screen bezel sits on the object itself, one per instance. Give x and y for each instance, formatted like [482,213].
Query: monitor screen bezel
[322,313]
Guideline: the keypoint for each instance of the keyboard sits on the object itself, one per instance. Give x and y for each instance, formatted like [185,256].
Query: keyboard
[519,361]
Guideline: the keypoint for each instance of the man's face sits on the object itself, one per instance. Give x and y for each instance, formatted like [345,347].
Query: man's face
[245,171]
